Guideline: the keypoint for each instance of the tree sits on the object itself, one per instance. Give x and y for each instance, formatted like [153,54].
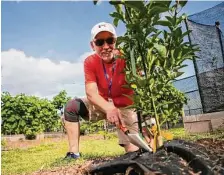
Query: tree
[154,49]
[27,115]
[60,100]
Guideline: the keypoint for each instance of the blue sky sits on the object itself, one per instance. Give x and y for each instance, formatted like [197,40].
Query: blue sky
[57,35]
[59,30]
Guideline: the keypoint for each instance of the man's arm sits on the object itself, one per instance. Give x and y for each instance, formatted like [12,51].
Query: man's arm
[91,86]
[113,114]
[96,99]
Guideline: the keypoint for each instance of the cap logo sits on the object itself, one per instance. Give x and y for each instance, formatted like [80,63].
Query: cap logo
[102,25]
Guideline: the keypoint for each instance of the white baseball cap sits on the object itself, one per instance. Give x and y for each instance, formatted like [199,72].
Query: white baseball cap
[102,26]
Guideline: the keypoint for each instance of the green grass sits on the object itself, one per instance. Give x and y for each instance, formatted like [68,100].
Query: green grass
[179,133]
[47,156]
[50,155]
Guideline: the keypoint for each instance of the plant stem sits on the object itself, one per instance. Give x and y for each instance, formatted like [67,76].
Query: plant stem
[156,115]
[150,91]
[139,46]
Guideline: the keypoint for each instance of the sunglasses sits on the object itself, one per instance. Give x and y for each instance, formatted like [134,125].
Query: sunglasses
[100,42]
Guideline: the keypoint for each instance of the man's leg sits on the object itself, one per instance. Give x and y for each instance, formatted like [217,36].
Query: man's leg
[73,129]
[129,118]
[72,111]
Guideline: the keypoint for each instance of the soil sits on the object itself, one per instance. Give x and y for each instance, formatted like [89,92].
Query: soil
[24,144]
[211,150]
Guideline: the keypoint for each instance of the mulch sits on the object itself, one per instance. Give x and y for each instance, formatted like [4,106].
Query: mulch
[211,150]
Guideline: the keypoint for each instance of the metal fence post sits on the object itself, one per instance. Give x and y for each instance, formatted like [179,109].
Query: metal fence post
[217,24]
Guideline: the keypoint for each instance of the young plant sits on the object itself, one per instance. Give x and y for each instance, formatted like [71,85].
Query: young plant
[154,48]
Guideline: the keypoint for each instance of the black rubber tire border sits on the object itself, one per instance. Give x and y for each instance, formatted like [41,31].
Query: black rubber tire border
[174,146]
[118,167]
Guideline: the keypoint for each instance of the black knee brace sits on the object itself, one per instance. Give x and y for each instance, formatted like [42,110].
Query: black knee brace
[74,109]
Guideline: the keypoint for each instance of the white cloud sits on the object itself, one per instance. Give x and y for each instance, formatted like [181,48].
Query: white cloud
[41,76]
[84,56]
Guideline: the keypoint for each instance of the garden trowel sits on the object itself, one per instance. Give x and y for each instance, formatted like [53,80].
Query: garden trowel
[135,139]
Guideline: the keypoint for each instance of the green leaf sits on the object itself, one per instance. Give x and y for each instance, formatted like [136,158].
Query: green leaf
[117,15]
[22,123]
[178,33]
[182,66]
[161,49]
[119,8]
[164,104]
[14,125]
[151,83]
[142,83]
[171,20]
[159,87]
[163,23]
[133,61]
[151,58]
[179,74]
[11,119]
[162,3]
[132,27]
[122,39]
[157,10]
[137,5]
[182,3]
[186,33]
[116,2]
[115,22]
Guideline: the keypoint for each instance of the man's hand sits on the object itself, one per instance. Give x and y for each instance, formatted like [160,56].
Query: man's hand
[114,115]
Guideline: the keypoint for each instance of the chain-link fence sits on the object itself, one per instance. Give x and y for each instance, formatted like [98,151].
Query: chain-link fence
[205,90]
[190,88]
